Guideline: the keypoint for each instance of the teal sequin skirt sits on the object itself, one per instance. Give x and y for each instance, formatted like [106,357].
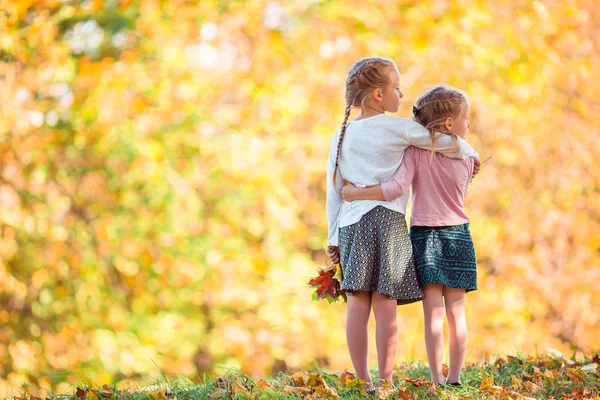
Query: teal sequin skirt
[445,254]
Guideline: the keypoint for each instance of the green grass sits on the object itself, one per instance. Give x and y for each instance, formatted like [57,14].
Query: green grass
[542,377]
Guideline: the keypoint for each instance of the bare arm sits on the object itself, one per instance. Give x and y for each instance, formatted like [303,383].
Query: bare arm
[351,193]
[390,190]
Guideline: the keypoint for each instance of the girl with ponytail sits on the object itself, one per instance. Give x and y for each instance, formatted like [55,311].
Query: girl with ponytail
[369,237]
[441,239]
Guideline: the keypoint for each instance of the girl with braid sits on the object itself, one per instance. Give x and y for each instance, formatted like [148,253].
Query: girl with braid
[441,240]
[369,238]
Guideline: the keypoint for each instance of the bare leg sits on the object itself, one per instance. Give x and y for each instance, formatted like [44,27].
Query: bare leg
[433,310]
[457,330]
[386,335]
[357,319]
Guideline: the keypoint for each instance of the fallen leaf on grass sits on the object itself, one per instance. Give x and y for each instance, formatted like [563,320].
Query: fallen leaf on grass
[222,383]
[589,368]
[418,382]
[403,395]
[514,359]
[520,397]
[82,393]
[432,390]
[574,376]
[300,378]
[107,392]
[159,394]
[532,387]
[218,394]
[551,374]
[385,390]
[346,378]
[262,384]
[579,394]
[299,391]
[486,383]
[318,384]
[516,382]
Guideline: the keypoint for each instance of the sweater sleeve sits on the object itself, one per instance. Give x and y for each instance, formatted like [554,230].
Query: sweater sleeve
[402,178]
[419,137]
[334,195]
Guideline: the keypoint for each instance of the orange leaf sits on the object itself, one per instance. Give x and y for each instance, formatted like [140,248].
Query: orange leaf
[532,387]
[445,369]
[327,285]
[238,387]
[574,376]
[300,378]
[403,395]
[418,382]
[263,384]
[346,377]
[486,384]
[299,391]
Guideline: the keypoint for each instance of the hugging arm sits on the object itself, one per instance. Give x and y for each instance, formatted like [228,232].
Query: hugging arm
[394,188]
[449,145]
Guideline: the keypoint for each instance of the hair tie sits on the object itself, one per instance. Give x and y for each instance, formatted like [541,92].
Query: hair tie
[415,112]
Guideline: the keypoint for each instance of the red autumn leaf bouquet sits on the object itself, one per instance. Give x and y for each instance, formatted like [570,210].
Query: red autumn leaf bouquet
[328,284]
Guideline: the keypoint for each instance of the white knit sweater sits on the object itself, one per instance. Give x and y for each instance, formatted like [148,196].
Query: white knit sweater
[372,150]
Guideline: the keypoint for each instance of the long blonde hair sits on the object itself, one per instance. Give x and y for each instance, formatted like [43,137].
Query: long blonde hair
[435,106]
[365,75]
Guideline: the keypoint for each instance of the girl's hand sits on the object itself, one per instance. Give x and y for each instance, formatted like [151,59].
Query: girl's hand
[349,192]
[476,168]
[333,252]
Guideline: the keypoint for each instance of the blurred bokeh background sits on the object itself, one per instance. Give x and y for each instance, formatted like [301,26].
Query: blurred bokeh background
[162,178]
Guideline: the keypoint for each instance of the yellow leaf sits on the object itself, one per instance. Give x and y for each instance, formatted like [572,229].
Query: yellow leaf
[486,383]
[516,382]
[346,378]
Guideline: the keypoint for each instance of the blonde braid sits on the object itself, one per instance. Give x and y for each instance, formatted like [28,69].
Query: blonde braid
[339,146]
[364,76]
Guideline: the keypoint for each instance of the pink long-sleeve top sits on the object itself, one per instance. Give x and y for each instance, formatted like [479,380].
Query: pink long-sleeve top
[440,185]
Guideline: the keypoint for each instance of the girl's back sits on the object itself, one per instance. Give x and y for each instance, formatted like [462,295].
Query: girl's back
[440,185]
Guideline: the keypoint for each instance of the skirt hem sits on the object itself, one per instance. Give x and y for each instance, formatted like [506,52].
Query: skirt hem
[400,301]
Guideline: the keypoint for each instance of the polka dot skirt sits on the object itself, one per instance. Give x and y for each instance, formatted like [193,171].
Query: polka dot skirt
[376,255]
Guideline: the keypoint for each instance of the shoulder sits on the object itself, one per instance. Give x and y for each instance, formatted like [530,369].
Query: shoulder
[408,126]
[391,120]
[336,134]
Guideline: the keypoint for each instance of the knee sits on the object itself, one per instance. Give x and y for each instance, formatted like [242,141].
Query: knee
[457,317]
[437,314]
